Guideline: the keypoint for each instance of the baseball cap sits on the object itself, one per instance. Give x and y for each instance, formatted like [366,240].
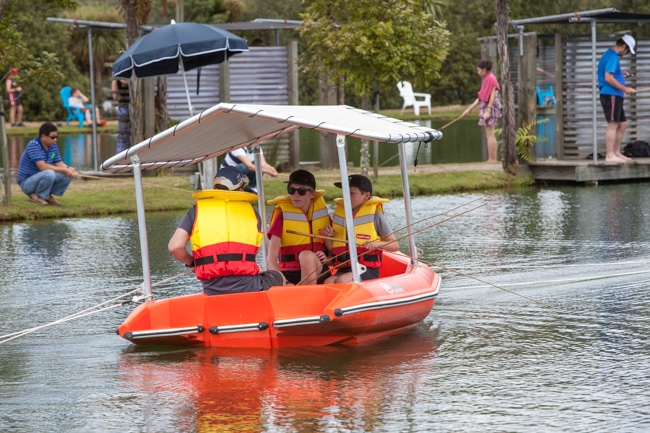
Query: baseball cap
[14,71]
[230,179]
[302,177]
[358,180]
[630,42]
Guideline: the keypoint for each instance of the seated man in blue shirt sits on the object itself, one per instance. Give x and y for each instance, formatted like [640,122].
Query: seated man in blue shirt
[42,174]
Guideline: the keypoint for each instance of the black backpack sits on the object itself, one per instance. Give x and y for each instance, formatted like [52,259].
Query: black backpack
[638,148]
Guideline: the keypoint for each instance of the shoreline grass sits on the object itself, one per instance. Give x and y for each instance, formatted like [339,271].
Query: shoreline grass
[165,192]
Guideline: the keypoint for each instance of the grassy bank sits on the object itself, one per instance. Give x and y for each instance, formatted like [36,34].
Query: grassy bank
[109,196]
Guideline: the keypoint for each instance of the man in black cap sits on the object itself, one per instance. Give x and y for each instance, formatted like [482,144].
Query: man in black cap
[371,231]
[225,233]
[300,257]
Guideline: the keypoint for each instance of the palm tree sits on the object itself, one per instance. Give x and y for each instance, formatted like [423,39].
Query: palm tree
[106,42]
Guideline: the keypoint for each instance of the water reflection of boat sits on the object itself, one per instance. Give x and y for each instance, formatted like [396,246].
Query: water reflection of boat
[294,389]
[283,316]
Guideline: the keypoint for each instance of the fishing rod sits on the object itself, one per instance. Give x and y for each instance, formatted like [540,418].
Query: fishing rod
[335,267]
[399,229]
[484,282]
[149,185]
[452,122]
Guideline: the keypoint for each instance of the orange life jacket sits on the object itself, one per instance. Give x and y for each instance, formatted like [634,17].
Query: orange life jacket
[291,244]
[225,237]
[364,231]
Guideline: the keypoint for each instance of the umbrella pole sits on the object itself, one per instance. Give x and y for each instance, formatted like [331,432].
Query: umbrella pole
[187,90]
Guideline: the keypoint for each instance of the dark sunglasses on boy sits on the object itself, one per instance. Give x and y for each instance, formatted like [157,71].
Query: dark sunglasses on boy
[301,191]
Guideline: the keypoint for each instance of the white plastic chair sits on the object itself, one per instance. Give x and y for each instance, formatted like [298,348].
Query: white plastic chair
[412,99]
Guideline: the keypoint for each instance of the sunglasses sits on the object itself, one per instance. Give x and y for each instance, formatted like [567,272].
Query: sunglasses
[53,137]
[301,191]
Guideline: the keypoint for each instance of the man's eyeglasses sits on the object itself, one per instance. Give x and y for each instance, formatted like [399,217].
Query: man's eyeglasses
[301,191]
[53,137]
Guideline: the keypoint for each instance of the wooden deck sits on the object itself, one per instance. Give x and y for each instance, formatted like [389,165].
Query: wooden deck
[585,171]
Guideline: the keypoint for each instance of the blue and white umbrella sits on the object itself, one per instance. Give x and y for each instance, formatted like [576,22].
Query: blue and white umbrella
[183,46]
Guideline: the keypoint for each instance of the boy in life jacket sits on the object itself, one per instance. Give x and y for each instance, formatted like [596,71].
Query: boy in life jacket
[372,231]
[301,258]
[225,234]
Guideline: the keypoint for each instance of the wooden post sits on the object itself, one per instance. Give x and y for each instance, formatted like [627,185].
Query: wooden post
[224,82]
[5,157]
[526,91]
[560,91]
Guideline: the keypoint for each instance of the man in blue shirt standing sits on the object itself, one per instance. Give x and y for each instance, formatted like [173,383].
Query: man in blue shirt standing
[611,82]
[42,174]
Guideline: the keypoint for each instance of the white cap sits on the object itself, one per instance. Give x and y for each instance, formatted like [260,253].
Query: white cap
[630,42]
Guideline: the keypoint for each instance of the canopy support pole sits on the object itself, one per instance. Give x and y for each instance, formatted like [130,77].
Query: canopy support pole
[261,204]
[407,202]
[347,204]
[142,227]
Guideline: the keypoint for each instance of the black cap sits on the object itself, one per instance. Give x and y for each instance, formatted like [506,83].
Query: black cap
[302,177]
[358,180]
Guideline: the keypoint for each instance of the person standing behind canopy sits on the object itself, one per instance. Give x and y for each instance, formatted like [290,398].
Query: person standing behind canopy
[243,160]
[371,229]
[15,103]
[120,91]
[225,234]
[611,82]
[300,258]
[42,174]
[489,106]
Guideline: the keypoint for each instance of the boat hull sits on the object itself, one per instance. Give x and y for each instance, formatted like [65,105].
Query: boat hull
[291,316]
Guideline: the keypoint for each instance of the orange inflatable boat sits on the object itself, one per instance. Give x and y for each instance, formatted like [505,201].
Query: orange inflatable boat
[289,316]
[284,316]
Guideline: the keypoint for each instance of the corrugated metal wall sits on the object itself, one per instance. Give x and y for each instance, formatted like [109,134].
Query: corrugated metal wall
[577,97]
[259,76]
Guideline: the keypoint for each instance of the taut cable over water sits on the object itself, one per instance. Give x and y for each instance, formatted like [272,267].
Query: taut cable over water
[88,311]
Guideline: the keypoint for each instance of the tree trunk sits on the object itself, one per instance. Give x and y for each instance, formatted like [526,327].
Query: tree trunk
[327,95]
[509,151]
[161,105]
[364,164]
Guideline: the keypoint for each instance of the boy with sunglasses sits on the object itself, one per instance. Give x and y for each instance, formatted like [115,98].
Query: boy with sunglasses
[42,174]
[372,231]
[301,258]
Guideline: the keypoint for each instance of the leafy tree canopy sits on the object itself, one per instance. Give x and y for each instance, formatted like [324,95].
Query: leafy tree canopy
[371,42]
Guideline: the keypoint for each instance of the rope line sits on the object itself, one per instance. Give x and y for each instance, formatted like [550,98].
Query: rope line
[491,267]
[565,280]
[90,310]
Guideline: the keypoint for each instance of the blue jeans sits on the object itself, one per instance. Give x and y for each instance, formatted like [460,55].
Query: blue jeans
[46,183]
[241,167]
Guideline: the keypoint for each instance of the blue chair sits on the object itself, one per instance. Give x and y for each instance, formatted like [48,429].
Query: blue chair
[73,112]
[545,96]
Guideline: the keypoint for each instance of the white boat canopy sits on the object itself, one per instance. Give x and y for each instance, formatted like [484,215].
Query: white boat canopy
[226,127]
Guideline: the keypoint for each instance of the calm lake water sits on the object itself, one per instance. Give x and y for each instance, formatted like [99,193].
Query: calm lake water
[484,360]
[462,143]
